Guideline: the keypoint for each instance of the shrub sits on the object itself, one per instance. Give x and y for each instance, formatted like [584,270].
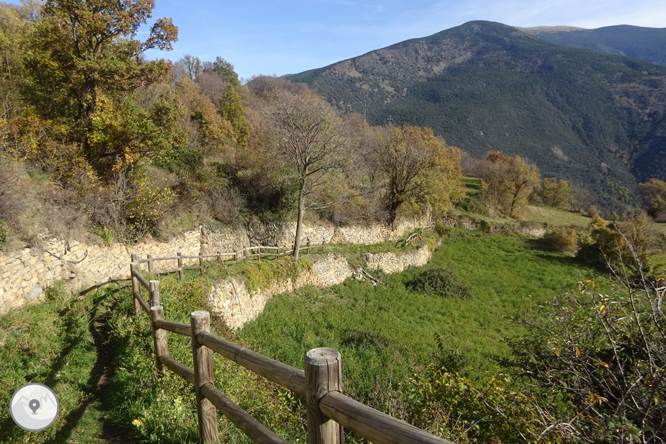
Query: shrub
[631,244]
[442,230]
[605,354]
[439,282]
[562,239]
[485,226]
[57,293]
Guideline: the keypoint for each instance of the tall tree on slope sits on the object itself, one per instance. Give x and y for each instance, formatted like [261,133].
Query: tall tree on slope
[306,135]
[82,50]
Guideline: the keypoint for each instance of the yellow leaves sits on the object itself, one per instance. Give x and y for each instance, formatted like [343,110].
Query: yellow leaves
[577,352]
[602,309]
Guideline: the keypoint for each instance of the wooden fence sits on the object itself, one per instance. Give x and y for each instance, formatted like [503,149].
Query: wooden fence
[234,257]
[328,410]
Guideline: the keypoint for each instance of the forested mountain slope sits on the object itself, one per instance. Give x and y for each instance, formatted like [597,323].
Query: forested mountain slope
[637,42]
[595,119]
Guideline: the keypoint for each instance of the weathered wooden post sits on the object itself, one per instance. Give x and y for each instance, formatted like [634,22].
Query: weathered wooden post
[322,375]
[201,262]
[180,264]
[308,250]
[259,253]
[154,293]
[219,256]
[159,335]
[235,256]
[136,286]
[150,263]
[278,250]
[203,374]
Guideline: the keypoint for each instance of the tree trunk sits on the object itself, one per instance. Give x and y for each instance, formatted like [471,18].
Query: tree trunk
[299,223]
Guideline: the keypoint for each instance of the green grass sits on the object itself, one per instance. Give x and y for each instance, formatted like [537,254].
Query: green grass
[385,331]
[70,341]
[55,343]
[555,217]
[384,334]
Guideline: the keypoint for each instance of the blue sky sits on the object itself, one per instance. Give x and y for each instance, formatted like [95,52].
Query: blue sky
[291,36]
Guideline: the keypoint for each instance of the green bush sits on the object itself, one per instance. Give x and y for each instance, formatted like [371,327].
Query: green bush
[485,226]
[442,230]
[439,282]
[562,239]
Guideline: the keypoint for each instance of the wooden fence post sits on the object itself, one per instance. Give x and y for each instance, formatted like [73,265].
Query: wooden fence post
[322,375]
[150,263]
[278,250]
[219,256]
[235,256]
[308,250]
[159,335]
[203,374]
[201,262]
[154,293]
[136,286]
[259,253]
[180,264]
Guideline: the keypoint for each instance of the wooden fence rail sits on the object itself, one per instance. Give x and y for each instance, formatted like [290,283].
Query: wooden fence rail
[257,252]
[328,410]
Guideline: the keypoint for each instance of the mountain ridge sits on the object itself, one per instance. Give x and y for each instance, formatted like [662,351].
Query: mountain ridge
[595,119]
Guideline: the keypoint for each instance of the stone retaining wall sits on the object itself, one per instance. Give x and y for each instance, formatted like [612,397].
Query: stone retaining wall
[230,300]
[25,273]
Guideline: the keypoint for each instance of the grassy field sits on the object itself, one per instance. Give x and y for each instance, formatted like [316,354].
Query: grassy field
[555,217]
[98,356]
[385,331]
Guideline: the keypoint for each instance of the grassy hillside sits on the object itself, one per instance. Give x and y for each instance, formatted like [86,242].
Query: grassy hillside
[555,217]
[384,331]
[594,119]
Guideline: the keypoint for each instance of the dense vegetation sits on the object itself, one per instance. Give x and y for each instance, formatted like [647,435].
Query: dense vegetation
[97,139]
[632,41]
[593,119]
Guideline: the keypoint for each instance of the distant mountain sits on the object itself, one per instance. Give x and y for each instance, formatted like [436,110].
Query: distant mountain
[595,119]
[647,44]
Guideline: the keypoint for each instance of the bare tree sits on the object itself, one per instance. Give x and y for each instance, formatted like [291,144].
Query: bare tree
[306,135]
[212,86]
[193,65]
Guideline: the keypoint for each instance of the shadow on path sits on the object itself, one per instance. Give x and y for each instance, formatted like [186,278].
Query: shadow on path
[100,374]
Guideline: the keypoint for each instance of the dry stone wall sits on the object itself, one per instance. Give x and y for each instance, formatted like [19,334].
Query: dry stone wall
[27,272]
[230,300]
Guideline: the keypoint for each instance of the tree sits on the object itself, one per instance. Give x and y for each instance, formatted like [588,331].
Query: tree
[306,135]
[232,110]
[555,193]
[653,193]
[418,169]
[81,51]
[226,70]
[581,198]
[509,182]
[192,65]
